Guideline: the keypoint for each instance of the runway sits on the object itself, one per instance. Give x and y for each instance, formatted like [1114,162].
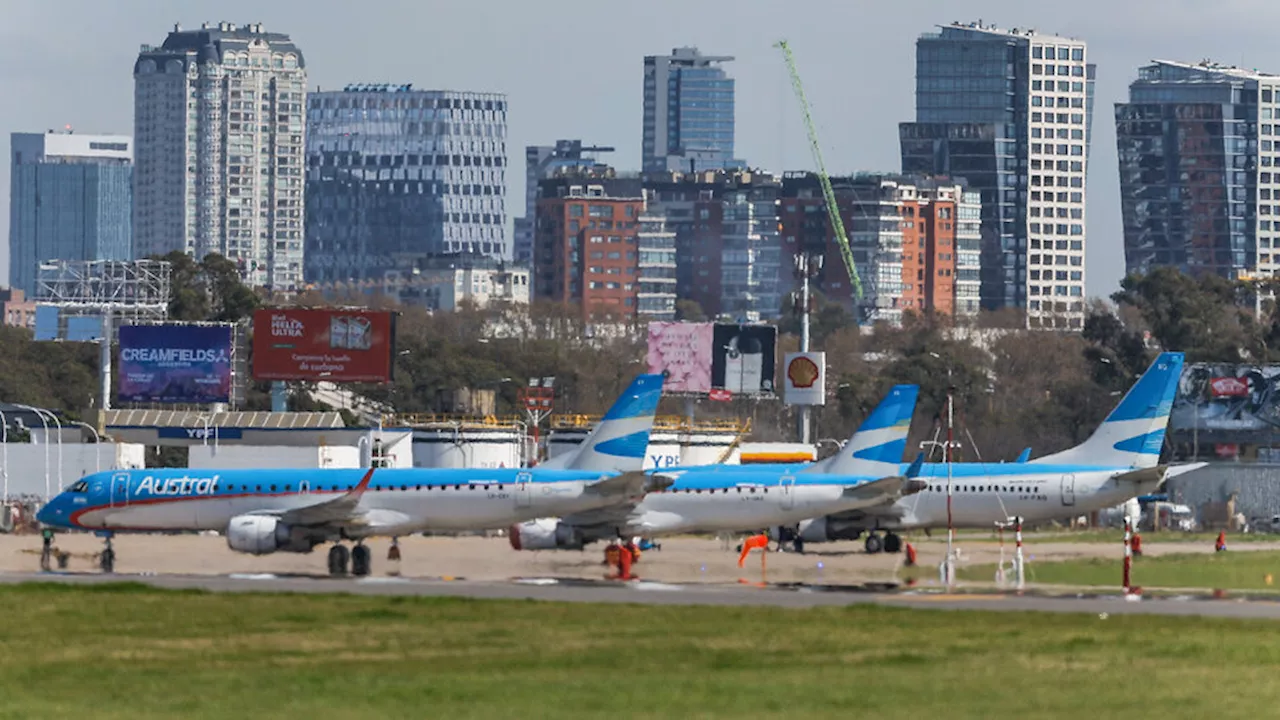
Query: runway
[574,590]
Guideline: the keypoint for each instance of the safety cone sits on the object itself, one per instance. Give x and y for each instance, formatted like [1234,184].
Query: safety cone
[911,556]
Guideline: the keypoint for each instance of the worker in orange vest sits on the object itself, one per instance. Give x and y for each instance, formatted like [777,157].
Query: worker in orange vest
[1221,545]
[624,564]
[911,555]
[755,541]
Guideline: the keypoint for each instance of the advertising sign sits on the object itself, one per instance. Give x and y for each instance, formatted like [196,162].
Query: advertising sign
[743,358]
[175,363]
[804,378]
[1228,403]
[683,352]
[323,344]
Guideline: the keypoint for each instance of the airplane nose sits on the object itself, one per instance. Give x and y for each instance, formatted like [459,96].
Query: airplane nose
[50,514]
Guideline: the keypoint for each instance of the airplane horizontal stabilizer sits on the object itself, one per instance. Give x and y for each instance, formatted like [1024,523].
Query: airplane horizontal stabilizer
[1144,476]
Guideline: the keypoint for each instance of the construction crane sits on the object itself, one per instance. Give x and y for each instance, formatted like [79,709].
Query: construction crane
[833,209]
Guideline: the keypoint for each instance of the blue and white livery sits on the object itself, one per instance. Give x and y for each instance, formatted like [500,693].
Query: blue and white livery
[294,510]
[864,475]
[1119,461]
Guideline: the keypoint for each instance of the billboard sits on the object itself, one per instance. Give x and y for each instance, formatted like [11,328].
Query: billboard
[175,363]
[743,358]
[682,351]
[53,324]
[323,344]
[1229,400]
[804,378]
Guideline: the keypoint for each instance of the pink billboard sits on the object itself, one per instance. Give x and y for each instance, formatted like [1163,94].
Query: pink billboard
[683,352]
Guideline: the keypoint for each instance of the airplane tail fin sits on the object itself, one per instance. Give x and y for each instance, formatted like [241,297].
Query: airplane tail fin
[621,439]
[876,449]
[1024,456]
[1133,434]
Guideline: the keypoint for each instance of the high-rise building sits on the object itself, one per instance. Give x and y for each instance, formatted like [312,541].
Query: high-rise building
[1199,171]
[542,162]
[219,138]
[394,172]
[1009,112]
[70,198]
[656,271]
[915,242]
[688,112]
[586,246]
[728,250]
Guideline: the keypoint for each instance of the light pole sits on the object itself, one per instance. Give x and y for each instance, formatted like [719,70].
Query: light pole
[46,446]
[4,468]
[949,566]
[97,440]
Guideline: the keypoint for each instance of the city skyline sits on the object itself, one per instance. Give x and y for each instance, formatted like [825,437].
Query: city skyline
[555,94]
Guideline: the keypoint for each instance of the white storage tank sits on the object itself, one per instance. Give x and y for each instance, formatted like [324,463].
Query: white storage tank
[467,443]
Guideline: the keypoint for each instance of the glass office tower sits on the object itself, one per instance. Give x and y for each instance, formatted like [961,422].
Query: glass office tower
[1199,169]
[1008,111]
[395,173]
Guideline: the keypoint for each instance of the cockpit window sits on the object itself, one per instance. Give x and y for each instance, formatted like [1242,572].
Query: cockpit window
[79,487]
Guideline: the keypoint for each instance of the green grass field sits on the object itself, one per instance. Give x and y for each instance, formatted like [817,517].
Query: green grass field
[1224,571]
[131,652]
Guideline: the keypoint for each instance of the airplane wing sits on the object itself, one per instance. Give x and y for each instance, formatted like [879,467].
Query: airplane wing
[629,488]
[325,512]
[629,485]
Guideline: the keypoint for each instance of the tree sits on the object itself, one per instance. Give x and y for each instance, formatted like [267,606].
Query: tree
[210,290]
[1200,317]
[689,311]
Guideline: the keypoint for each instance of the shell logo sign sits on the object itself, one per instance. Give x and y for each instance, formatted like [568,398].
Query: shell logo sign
[806,374]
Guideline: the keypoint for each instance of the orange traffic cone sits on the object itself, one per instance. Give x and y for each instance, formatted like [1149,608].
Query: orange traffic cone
[911,555]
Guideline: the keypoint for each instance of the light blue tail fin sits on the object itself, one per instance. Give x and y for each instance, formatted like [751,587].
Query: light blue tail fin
[876,449]
[1133,434]
[1024,456]
[620,441]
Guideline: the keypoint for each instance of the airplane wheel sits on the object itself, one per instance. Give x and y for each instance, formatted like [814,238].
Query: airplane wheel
[892,543]
[361,560]
[107,561]
[338,559]
[873,544]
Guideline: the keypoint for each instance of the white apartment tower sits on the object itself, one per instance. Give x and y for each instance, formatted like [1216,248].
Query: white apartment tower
[1008,110]
[219,137]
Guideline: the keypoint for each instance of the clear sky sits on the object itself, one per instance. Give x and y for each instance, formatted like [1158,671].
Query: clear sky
[573,68]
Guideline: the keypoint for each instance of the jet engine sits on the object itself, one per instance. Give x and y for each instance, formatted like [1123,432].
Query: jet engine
[545,534]
[824,529]
[263,534]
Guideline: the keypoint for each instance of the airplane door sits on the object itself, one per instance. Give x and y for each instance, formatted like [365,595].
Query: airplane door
[119,489]
[524,495]
[788,487]
[1068,490]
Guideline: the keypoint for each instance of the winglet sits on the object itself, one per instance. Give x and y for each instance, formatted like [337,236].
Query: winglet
[363,485]
[1024,456]
[914,469]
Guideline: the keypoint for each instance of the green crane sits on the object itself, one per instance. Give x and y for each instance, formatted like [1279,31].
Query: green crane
[833,209]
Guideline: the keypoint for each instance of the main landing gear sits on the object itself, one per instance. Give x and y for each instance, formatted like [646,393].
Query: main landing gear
[890,543]
[359,559]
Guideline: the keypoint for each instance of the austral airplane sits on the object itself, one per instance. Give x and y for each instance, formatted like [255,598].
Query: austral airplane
[864,476]
[294,510]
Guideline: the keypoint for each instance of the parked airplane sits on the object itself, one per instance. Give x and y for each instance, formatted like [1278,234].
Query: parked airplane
[1119,461]
[864,476]
[294,510]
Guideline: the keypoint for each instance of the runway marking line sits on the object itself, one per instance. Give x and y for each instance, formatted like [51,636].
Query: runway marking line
[946,598]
